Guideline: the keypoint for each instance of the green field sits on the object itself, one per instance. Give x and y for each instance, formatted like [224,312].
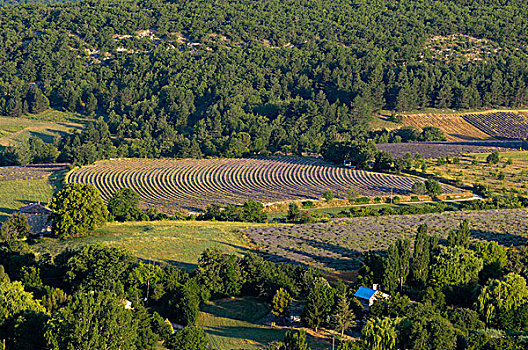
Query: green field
[18,193]
[45,125]
[176,242]
[233,324]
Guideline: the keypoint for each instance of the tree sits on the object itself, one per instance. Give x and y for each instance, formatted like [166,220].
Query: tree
[123,205]
[14,300]
[189,338]
[493,157]
[397,265]
[293,212]
[77,208]
[501,296]
[94,320]
[495,258]
[432,133]
[432,332]
[455,266]
[328,195]
[418,188]
[184,303]
[295,341]
[344,315]
[318,304]
[37,101]
[16,227]
[280,305]
[97,267]
[253,211]
[459,237]
[433,187]
[351,195]
[380,334]
[423,253]
[383,161]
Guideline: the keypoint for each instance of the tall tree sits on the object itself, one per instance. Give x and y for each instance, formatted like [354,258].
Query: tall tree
[424,245]
[344,315]
[397,265]
[318,304]
[459,237]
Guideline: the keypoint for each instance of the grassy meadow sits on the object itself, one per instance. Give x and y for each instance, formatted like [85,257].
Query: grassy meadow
[501,177]
[45,125]
[18,193]
[234,324]
[176,242]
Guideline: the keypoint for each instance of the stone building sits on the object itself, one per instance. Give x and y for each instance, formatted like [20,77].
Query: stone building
[38,218]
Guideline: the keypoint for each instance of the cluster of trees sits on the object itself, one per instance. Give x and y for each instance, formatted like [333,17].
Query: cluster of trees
[46,302]
[408,134]
[238,78]
[463,294]
[250,211]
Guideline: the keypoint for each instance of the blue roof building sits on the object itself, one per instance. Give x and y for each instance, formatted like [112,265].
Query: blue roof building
[367,296]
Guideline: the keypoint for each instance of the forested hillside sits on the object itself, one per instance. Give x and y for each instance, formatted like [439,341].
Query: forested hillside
[201,77]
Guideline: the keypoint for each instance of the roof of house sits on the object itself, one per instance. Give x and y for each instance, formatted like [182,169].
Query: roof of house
[365,293]
[35,208]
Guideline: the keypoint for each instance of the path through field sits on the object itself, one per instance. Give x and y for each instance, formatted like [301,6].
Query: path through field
[193,184]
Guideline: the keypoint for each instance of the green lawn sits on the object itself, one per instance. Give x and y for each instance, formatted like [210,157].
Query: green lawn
[176,242]
[233,324]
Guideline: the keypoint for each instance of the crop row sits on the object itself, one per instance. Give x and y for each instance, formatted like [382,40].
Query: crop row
[194,184]
[510,125]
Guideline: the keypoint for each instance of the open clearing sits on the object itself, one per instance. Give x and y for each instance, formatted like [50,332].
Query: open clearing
[190,184]
[175,242]
[233,324]
[500,178]
[45,125]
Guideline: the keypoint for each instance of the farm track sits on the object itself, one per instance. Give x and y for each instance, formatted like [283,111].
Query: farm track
[190,184]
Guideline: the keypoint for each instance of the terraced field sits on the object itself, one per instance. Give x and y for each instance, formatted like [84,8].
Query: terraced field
[190,184]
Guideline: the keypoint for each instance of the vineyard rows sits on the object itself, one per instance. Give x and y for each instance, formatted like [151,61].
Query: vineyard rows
[192,184]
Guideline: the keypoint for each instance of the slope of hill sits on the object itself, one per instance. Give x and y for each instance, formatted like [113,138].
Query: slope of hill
[225,78]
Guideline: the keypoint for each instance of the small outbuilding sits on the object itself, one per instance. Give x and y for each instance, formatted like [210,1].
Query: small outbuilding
[38,217]
[368,296]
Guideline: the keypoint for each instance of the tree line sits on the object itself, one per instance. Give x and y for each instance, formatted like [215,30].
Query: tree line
[192,78]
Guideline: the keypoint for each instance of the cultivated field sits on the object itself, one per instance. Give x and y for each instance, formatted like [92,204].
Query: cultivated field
[191,184]
[511,125]
[455,126]
[338,243]
[451,149]
[21,185]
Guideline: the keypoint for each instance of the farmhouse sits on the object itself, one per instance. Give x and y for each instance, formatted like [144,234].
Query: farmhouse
[38,218]
[367,296]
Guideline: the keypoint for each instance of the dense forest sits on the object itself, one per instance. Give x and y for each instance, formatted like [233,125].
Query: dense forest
[200,78]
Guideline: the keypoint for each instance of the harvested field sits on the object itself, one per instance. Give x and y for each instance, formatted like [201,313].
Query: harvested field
[30,172]
[455,127]
[442,149]
[338,244]
[190,184]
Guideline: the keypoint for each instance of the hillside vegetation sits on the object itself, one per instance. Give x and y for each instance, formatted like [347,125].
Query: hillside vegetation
[192,78]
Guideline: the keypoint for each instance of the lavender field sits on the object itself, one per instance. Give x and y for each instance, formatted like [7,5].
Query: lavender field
[338,244]
[457,148]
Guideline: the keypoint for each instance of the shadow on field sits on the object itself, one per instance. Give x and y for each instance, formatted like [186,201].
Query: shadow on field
[505,239]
